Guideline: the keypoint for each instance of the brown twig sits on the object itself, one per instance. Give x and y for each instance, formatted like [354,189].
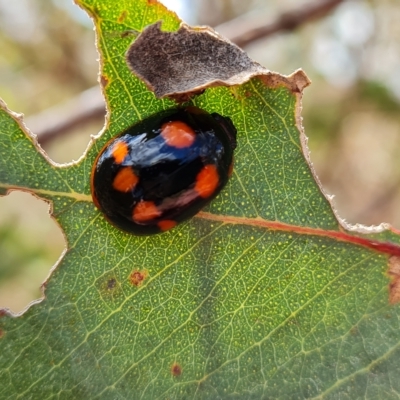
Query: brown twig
[55,121]
[89,105]
[247,29]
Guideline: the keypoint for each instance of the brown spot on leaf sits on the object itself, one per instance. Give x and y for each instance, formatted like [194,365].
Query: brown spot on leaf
[137,277]
[129,32]
[152,2]
[2,313]
[109,287]
[123,16]
[176,369]
[183,63]
[354,331]
[236,93]
[394,285]
[104,80]
[111,283]
[1,333]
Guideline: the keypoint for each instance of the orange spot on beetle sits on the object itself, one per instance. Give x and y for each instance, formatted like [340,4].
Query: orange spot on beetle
[207,181]
[136,277]
[120,151]
[176,369]
[166,225]
[178,134]
[145,211]
[125,180]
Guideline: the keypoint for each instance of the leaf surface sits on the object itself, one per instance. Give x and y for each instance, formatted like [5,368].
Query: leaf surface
[262,295]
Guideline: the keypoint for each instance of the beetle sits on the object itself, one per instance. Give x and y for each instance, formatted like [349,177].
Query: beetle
[163,170]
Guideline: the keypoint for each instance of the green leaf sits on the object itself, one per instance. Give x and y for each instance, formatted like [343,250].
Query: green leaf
[262,295]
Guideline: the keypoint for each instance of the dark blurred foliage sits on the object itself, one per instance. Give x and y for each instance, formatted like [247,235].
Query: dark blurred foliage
[350,112]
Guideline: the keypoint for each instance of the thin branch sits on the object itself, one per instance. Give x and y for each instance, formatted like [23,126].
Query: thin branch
[249,28]
[89,105]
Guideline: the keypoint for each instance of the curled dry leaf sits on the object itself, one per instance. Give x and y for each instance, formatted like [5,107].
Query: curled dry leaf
[186,62]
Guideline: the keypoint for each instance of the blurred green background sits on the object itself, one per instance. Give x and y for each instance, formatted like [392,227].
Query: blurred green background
[350,112]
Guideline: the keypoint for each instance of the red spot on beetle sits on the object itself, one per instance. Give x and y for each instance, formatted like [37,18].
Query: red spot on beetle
[176,369]
[166,225]
[137,277]
[178,134]
[394,285]
[207,181]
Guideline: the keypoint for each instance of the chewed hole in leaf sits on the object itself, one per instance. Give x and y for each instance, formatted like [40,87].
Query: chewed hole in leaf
[30,244]
[67,142]
[52,62]
[357,165]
